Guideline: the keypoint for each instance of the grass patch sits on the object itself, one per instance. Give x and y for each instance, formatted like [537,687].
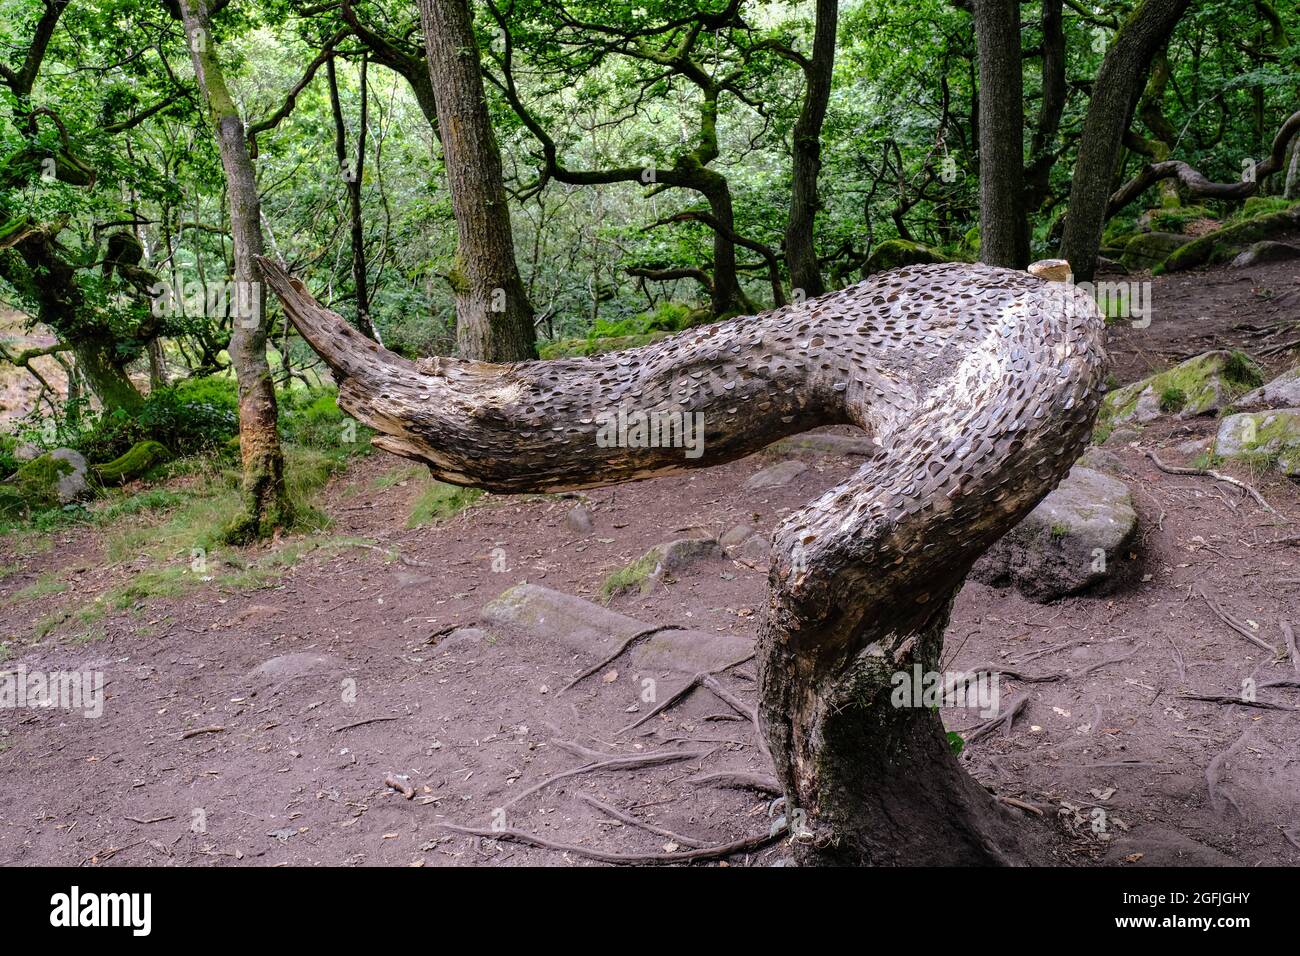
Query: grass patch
[633,576]
[45,585]
[440,501]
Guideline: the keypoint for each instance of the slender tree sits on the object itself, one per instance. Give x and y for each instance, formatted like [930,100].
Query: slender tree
[494,317]
[1004,227]
[265,503]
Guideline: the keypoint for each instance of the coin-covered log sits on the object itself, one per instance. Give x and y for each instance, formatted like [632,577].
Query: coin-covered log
[978,385]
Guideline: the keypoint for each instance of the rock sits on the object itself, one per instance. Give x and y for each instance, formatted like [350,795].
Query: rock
[1224,244]
[1098,459]
[54,478]
[1120,437]
[579,519]
[597,632]
[295,666]
[73,484]
[1269,438]
[647,571]
[1202,385]
[1147,250]
[1070,542]
[462,639]
[896,253]
[825,443]
[1266,251]
[1053,270]
[774,476]
[26,451]
[677,554]
[1282,392]
[736,536]
[142,457]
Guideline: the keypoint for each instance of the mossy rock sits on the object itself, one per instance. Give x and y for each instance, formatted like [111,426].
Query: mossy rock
[1174,219]
[1257,206]
[37,481]
[1224,244]
[1146,250]
[143,457]
[1270,439]
[896,253]
[970,242]
[1201,385]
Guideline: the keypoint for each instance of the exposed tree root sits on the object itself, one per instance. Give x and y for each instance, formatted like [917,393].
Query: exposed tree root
[1214,772]
[745,845]
[1208,473]
[739,780]
[622,649]
[1003,721]
[632,821]
[1236,625]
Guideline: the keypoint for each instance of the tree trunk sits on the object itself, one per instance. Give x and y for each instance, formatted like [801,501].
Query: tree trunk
[972,434]
[494,317]
[1292,188]
[265,503]
[1004,226]
[800,249]
[1114,94]
[105,375]
[726,296]
[353,174]
[1042,154]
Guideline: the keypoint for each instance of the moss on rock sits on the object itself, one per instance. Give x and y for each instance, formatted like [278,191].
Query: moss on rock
[1202,385]
[896,253]
[1223,244]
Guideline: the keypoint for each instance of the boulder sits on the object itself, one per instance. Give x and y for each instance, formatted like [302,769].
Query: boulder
[1282,392]
[48,480]
[1270,438]
[1264,252]
[1223,244]
[1070,542]
[825,443]
[648,570]
[72,484]
[579,519]
[896,253]
[774,476]
[1202,385]
[1147,250]
[597,632]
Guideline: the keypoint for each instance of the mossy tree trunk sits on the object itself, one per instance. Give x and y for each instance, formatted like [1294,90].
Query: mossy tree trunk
[265,502]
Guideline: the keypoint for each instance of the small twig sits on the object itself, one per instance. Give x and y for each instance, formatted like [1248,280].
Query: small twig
[1236,625]
[1289,636]
[632,821]
[401,783]
[362,723]
[694,682]
[1021,805]
[214,729]
[1208,473]
[622,648]
[151,819]
[1093,668]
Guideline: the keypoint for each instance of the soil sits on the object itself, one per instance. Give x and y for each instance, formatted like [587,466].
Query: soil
[1110,756]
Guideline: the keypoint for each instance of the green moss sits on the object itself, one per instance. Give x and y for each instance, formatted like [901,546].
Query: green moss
[37,481]
[1176,219]
[896,253]
[142,458]
[440,501]
[1172,400]
[572,348]
[1223,244]
[634,576]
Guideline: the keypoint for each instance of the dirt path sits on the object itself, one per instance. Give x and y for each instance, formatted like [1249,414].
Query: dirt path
[357,630]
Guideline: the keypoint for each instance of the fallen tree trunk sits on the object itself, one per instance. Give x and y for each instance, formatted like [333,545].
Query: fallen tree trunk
[979,385]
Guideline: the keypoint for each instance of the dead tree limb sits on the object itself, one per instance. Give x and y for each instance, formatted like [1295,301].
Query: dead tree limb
[980,386]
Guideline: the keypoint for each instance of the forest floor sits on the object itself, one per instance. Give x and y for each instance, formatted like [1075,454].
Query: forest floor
[235,727]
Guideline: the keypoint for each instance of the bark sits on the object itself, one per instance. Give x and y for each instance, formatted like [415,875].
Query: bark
[1114,94]
[800,250]
[1292,188]
[265,503]
[494,317]
[1004,225]
[972,434]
